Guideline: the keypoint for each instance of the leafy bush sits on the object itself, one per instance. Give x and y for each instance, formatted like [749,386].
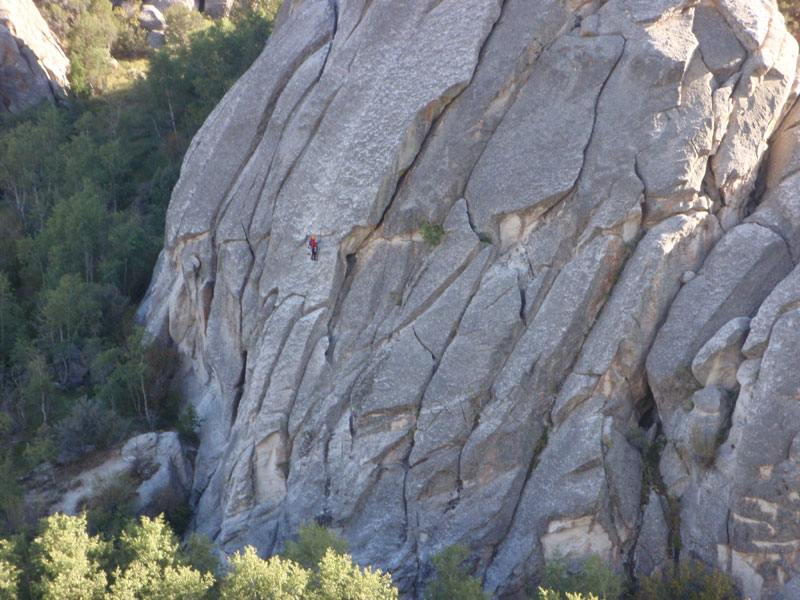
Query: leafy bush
[692,580]
[199,551]
[189,424]
[155,567]
[131,40]
[110,506]
[432,234]
[90,38]
[452,581]
[338,578]
[9,571]
[89,425]
[594,578]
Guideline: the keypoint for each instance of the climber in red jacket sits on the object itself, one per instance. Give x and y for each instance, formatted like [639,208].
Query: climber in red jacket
[312,243]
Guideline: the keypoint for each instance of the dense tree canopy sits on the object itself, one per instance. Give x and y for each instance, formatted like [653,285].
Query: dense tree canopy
[83,194]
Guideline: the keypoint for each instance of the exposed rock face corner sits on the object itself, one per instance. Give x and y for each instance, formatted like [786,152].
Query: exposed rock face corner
[617,188]
[33,66]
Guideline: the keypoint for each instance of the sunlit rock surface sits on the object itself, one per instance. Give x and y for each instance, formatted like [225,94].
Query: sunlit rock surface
[33,66]
[616,185]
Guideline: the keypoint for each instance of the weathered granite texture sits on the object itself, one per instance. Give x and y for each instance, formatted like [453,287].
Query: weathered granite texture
[33,66]
[616,184]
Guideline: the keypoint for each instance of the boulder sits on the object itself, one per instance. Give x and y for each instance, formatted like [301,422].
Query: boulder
[164,5]
[718,360]
[156,463]
[151,18]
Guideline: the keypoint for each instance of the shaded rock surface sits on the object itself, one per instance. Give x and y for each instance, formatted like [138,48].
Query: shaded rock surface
[33,66]
[620,221]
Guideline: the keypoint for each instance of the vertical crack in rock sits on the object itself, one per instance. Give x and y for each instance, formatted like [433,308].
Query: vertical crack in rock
[238,389]
[364,10]
[344,289]
[335,9]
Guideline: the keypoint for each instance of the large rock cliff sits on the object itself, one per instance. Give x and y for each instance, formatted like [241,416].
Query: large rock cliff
[33,66]
[617,189]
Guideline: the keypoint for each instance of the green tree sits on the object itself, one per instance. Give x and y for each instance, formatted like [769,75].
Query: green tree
[339,579]
[38,390]
[252,578]
[76,234]
[131,253]
[181,23]
[199,551]
[594,578]
[65,558]
[155,568]
[313,543]
[90,39]
[691,580]
[9,572]
[452,581]
[133,383]
[70,312]
[553,595]
[11,319]
[30,168]
[131,41]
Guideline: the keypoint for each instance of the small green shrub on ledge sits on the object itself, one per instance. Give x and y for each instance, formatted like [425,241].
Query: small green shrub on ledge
[432,234]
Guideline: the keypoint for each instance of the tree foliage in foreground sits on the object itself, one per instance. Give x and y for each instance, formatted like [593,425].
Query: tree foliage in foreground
[146,562]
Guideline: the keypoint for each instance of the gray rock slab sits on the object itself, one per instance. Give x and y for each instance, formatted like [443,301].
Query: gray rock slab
[232,124]
[780,211]
[650,554]
[749,20]
[534,176]
[718,360]
[151,18]
[164,5]
[735,278]
[630,320]
[720,49]
[784,297]
[757,104]
[441,170]
[564,317]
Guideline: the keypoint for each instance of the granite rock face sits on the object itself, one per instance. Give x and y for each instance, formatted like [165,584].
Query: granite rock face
[613,189]
[33,66]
